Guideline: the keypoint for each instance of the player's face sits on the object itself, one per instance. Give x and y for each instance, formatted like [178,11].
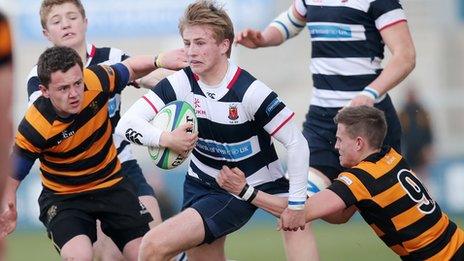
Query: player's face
[347,147]
[203,51]
[65,91]
[65,26]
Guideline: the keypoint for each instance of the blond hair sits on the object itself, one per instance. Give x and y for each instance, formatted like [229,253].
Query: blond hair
[209,13]
[47,6]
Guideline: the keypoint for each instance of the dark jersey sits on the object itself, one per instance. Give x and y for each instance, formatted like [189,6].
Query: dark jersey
[394,202]
[5,41]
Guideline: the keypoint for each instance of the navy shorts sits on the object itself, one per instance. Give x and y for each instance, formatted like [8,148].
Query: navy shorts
[319,130]
[221,212]
[134,173]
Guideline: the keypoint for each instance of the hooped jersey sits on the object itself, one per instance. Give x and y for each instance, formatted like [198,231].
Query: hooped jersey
[346,46]
[236,120]
[95,56]
[76,154]
[5,41]
[397,206]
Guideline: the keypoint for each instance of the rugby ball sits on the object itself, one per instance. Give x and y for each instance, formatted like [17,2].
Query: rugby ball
[171,116]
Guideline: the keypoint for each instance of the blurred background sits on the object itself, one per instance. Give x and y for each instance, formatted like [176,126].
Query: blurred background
[148,27]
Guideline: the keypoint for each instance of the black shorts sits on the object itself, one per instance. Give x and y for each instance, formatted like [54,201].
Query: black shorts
[319,130]
[123,218]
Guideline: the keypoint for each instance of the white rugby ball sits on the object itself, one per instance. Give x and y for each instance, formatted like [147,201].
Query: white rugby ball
[171,116]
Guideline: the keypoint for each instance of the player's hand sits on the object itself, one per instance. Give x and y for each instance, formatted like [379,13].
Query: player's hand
[8,220]
[292,220]
[250,38]
[174,59]
[181,140]
[232,180]
[361,100]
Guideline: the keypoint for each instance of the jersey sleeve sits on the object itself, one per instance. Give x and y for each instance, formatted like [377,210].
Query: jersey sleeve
[386,13]
[349,188]
[266,108]
[108,79]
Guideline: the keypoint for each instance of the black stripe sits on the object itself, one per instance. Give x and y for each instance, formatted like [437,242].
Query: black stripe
[343,83]
[115,119]
[459,255]
[32,85]
[31,134]
[342,190]
[165,91]
[337,14]
[85,145]
[366,179]
[399,206]
[20,152]
[240,87]
[228,133]
[6,59]
[101,55]
[353,49]
[437,245]
[83,164]
[45,107]
[103,77]
[269,108]
[86,115]
[420,226]
[278,186]
[380,7]
[81,180]
[122,146]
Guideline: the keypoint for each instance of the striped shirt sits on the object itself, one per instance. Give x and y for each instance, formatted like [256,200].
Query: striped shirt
[107,56]
[76,154]
[393,201]
[236,121]
[347,48]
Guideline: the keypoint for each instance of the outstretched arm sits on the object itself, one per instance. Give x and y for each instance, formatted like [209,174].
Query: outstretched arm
[285,26]
[322,204]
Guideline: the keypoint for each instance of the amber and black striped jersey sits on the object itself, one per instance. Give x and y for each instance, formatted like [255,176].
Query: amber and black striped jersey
[394,202]
[76,154]
[5,41]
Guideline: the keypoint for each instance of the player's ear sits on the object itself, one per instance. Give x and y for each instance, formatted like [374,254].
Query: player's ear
[44,91]
[225,45]
[46,34]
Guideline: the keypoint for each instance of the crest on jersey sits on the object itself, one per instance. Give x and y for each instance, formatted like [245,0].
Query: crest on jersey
[233,112]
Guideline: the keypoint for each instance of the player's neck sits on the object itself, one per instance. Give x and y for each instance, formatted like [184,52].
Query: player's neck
[216,74]
[82,51]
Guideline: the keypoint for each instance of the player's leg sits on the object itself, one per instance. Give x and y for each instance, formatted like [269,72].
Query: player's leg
[104,248]
[179,233]
[78,248]
[152,206]
[214,251]
[301,245]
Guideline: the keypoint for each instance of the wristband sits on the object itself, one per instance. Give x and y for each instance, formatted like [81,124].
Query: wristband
[296,205]
[371,93]
[248,193]
[158,61]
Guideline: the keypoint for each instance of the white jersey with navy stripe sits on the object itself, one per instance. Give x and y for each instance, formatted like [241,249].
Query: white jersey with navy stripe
[104,55]
[347,48]
[236,121]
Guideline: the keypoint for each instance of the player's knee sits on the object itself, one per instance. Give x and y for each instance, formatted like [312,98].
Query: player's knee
[153,248]
[77,255]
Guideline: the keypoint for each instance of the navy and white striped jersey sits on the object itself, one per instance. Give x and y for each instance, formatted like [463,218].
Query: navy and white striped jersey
[236,123]
[106,56]
[347,48]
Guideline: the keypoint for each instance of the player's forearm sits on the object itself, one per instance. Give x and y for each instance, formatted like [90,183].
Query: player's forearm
[139,66]
[272,204]
[271,37]
[9,193]
[398,67]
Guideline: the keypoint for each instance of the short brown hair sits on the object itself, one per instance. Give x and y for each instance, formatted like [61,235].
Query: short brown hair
[47,6]
[57,58]
[207,12]
[368,122]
